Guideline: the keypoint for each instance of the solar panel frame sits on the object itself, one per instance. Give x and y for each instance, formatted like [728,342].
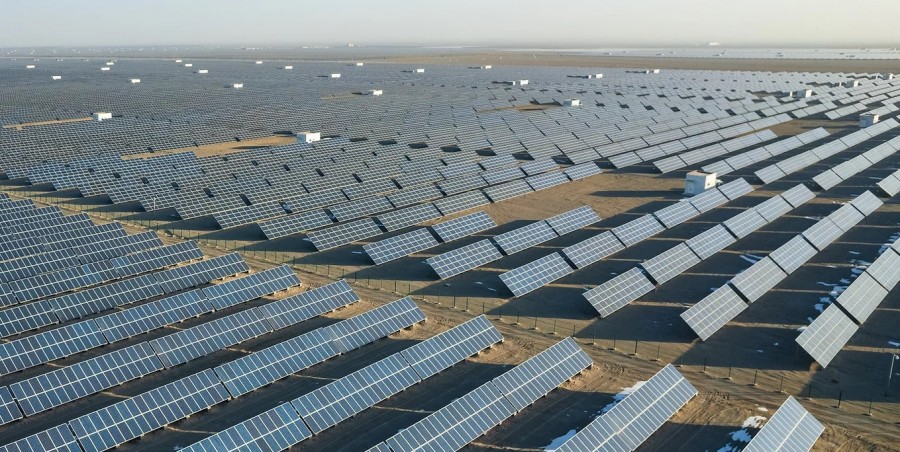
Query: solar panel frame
[524,237]
[755,281]
[54,439]
[710,242]
[463,259]
[593,249]
[790,428]
[276,429]
[463,226]
[714,311]
[439,352]
[862,297]
[637,230]
[306,305]
[793,254]
[676,214]
[535,274]
[616,293]
[670,263]
[573,220]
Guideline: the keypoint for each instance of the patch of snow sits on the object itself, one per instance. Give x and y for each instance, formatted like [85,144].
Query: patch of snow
[479,283]
[855,253]
[741,437]
[753,421]
[356,252]
[751,258]
[820,307]
[894,344]
[625,392]
[559,441]
[762,409]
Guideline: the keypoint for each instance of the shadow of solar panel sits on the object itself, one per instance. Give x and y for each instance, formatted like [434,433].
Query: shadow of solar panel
[31,316]
[524,237]
[150,316]
[408,216]
[293,224]
[456,424]
[636,230]
[627,425]
[790,256]
[250,287]
[400,246]
[460,202]
[463,226]
[64,385]
[862,297]
[614,294]
[9,411]
[791,428]
[276,429]
[710,242]
[594,249]
[438,353]
[713,312]
[304,306]
[464,258]
[56,439]
[676,214]
[671,263]
[133,417]
[49,345]
[526,383]
[507,190]
[866,203]
[573,220]
[755,281]
[339,400]
[886,269]
[533,275]
[342,234]
[201,340]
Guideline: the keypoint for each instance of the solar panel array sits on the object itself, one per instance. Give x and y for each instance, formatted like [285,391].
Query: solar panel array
[791,428]
[630,422]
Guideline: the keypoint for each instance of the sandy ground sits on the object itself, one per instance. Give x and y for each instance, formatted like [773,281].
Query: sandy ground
[228,147]
[43,123]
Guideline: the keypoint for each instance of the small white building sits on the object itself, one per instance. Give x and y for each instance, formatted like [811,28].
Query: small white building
[654,71]
[135,81]
[188,64]
[801,94]
[697,182]
[258,62]
[29,66]
[178,61]
[110,63]
[887,76]
[359,64]
[104,68]
[571,102]
[598,75]
[487,66]
[334,75]
[237,85]
[420,71]
[375,92]
[850,84]
[287,68]
[868,120]
[202,71]
[523,82]
[100,116]
[308,137]
[56,77]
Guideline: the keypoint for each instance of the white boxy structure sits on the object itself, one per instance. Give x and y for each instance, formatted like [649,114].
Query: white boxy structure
[697,182]
[850,84]
[420,71]
[887,76]
[287,68]
[202,71]
[258,62]
[802,94]
[104,68]
[135,81]
[100,115]
[29,66]
[308,137]
[374,92]
[334,75]
[56,77]
[359,64]
[868,120]
[188,64]
[571,102]
[237,85]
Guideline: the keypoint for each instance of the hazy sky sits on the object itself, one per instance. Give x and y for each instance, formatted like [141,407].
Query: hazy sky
[593,23]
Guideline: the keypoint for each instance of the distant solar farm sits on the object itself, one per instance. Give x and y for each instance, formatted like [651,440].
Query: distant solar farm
[221,254]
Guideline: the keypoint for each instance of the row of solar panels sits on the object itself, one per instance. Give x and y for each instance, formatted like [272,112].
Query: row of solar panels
[725,303]
[745,159]
[463,259]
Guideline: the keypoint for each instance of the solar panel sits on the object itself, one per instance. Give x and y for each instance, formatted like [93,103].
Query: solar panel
[178,278]
[628,424]
[526,278]
[201,340]
[524,237]
[846,217]
[822,234]
[671,263]
[827,334]
[408,216]
[712,312]
[676,214]
[827,179]
[582,170]
[886,269]
[546,180]
[792,428]
[297,308]
[135,416]
[275,429]
[253,286]
[572,220]
[526,383]
[460,202]
[862,297]
[744,223]
[507,190]
[866,203]
[710,242]
[770,174]
[735,189]
[9,411]
[790,256]
[273,363]
[150,316]
[339,400]
[97,299]
[55,439]
[26,317]
[438,353]
[293,224]
[400,246]
[464,258]
[614,294]
[773,208]
[798,195]
[761,277]
[593,249]
[708,200]
[63,385]
[342,234]
[636,230]
[49,345]
[463,226]
[890,185]
[455,425]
